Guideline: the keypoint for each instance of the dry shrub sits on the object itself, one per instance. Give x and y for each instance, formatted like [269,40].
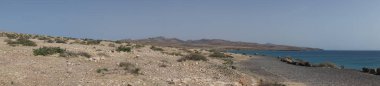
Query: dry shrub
[156,48]
[123,49]
[131,68]
[103,54]
[74,54]
[220,55]
[194,57]
[326,64]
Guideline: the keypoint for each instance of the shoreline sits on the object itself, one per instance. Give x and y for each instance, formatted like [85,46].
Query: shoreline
[346,59]
[271,69]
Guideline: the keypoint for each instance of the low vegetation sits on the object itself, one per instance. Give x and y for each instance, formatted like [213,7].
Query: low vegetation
[138,46]
[300,62]
[103,55]
[228,61]
[17,36]
[43,38]
[261,83]
[11,36]
[120,42]
[220,55]
[156,48]
[74,54]
[101,70]
[21,41]
[60,40]
[163,65]
[90,42]
[174,53]
[326,64]
[193,57]
[50,41]
[93,42]
[111,45]
[131,68]
[124,49]
[44,51]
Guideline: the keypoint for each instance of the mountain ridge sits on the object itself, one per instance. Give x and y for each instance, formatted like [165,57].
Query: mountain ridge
[215,44]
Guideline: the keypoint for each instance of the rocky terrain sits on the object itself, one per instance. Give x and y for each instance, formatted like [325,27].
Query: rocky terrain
[215,44]
[99,63]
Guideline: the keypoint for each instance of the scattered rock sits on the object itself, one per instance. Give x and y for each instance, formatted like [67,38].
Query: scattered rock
[365,70]
[372,71]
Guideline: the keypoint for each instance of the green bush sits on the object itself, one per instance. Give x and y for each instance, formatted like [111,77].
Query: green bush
[44,51]
[124,49]
[194,57]
[21,41]
[156,48]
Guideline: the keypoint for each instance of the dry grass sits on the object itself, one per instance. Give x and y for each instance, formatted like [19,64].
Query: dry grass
[326,64]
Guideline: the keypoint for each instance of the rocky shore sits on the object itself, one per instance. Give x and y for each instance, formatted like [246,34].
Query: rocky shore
[270,69]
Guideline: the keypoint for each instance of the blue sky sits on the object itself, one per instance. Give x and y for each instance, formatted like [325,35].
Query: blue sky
[327,24]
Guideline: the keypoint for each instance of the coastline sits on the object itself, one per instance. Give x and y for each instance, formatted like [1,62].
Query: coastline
[271,69]
[159,65]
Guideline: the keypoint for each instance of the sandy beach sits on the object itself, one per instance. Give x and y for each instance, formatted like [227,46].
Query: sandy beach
[270,69]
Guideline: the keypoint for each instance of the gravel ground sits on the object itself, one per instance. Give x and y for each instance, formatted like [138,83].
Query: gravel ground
[272,70]
[19,67]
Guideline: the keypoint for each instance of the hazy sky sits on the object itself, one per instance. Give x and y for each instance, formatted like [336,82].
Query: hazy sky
[327,24]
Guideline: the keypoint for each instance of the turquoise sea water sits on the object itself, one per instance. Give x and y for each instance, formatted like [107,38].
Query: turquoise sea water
[349,59]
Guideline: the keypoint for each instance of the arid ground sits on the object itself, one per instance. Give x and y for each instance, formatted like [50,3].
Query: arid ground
[20,67]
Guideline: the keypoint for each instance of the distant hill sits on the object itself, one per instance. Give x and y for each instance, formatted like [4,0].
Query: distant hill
[215,44]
